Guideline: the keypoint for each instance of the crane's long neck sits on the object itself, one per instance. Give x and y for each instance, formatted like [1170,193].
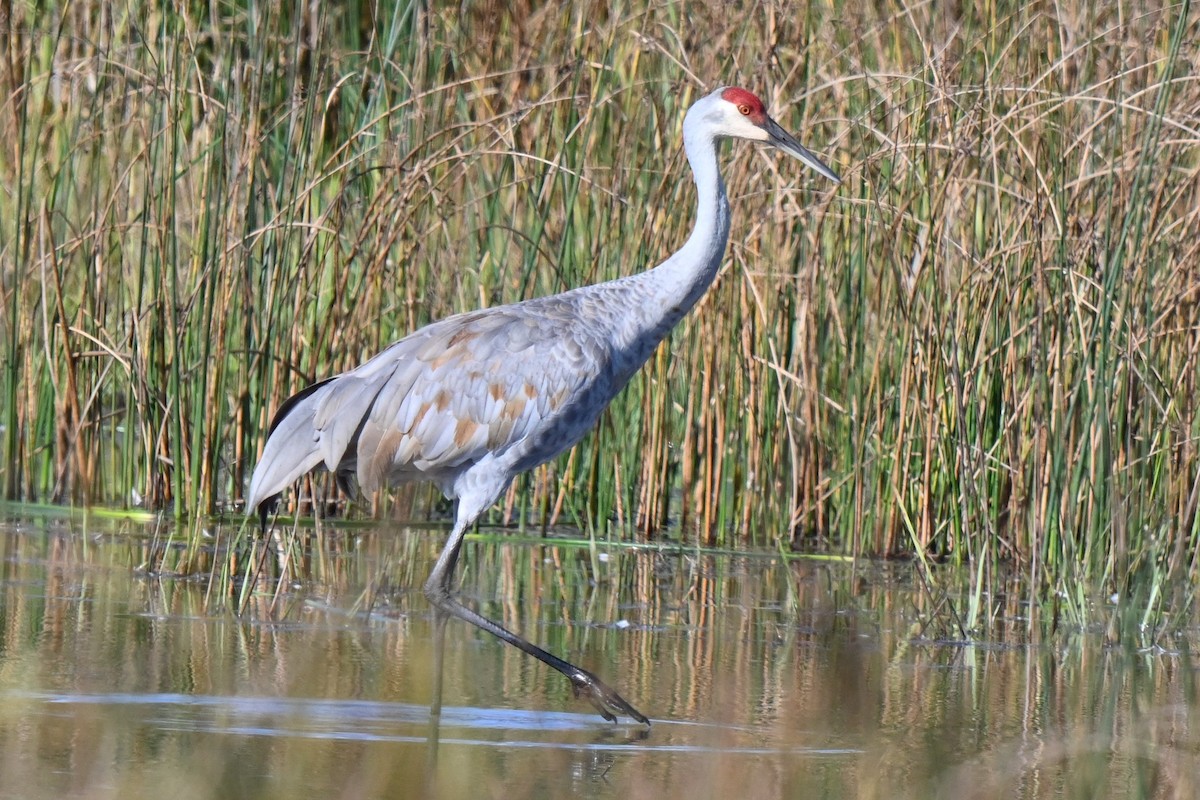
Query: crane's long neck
[633,314]
[683,278]
[661,296]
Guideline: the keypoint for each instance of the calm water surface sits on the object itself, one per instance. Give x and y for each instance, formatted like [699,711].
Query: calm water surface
[764,678]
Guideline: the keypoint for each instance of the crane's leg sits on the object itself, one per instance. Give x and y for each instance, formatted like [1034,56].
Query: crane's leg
[438,591]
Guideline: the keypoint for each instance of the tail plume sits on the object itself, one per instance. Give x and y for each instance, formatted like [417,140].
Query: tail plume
[292,450]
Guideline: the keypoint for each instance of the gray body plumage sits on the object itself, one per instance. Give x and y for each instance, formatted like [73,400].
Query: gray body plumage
[474,400]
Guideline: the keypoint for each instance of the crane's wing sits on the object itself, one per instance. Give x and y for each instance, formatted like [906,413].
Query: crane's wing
[439,400]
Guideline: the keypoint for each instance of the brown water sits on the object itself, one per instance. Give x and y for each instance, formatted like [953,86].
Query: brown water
[764,678]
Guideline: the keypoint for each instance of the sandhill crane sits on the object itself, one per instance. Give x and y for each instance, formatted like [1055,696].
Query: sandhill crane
[475,399]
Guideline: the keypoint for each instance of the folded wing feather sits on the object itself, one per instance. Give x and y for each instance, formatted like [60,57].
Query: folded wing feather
[429,405]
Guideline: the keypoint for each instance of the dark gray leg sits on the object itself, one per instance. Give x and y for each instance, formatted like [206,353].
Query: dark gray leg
[438,591]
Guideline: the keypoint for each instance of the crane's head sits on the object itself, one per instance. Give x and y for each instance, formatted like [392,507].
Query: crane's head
[737,113]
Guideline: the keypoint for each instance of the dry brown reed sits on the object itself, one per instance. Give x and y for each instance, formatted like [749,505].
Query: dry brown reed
[983,346]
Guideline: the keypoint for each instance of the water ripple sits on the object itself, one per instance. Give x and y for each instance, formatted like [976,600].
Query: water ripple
[362,720]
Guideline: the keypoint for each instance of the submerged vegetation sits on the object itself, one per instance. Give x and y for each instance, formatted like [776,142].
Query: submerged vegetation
[982,347]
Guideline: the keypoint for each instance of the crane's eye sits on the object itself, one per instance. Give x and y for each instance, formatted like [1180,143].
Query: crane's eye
[745,109]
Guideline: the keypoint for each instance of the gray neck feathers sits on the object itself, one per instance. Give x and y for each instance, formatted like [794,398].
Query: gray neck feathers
[660,297]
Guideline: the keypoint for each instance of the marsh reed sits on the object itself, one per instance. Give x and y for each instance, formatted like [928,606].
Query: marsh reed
[983,347]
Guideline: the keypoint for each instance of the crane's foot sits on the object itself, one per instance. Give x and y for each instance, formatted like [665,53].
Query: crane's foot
[610,704]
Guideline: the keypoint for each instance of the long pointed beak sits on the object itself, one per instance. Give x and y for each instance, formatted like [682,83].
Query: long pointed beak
[780,138]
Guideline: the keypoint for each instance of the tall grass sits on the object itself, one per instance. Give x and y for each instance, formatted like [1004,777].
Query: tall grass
[983,346]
